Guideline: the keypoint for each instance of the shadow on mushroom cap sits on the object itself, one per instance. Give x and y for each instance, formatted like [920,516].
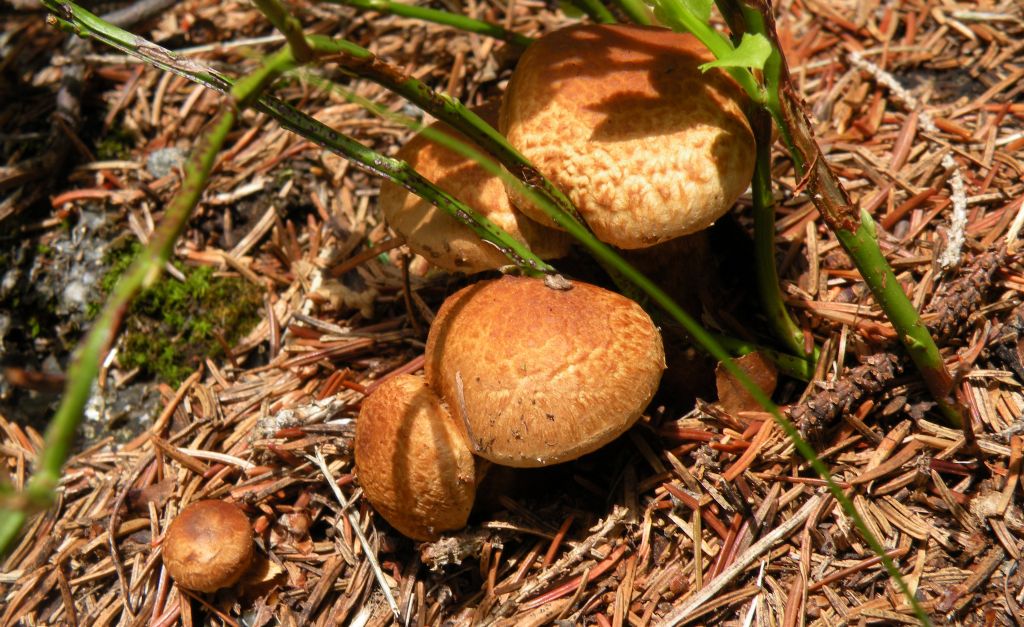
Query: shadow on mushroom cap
[413,462]
[439,237]
[621,118]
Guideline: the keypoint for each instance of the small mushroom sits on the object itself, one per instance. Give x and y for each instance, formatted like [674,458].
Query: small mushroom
[621,118]
[208,546]
[442,239]
[413,461]
[539,376]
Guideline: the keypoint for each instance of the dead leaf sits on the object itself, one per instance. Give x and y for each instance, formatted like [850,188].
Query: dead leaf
[732,396]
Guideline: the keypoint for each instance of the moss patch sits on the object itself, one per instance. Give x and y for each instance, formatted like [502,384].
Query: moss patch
[172,327]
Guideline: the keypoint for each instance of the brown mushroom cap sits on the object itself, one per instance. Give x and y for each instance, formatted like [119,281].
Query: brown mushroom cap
[546,375]
[442,239]
[622,119]
[208,546]
[414,463]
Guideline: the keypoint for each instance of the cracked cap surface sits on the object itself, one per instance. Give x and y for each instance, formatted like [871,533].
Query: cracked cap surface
[622,120]
[546,375]
[414,463]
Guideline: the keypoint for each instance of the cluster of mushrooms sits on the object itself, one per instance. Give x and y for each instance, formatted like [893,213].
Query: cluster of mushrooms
[517,372]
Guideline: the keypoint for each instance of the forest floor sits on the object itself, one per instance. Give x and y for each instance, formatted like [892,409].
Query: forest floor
[703,505]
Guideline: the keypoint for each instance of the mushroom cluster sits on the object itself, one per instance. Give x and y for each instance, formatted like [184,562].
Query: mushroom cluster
[517,373]
[621,118]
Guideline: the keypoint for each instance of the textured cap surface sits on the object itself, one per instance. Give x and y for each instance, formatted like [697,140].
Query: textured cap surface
[622,120]
[208,546]
[546,375]
[442,239]
[414,463]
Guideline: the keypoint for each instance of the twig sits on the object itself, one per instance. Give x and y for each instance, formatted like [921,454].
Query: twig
[682,614]
[371,555]
[950,257]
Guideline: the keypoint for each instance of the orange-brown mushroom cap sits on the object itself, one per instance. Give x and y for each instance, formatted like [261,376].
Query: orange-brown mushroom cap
[413,462]
[440,238]
[622,119]
[208,546]
[542,376]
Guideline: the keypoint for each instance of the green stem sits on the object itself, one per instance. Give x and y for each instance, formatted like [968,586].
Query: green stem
[855,231]
[786,330]
[363,63]
[636,11]
[862,246]
[85,366]
[753,22]
[595,10]
[399,172]
[436,16]
[289,25]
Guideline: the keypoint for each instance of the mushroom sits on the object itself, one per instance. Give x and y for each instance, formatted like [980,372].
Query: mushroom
[208,546]
[622,119]
[442,239]
[413,461]
[539,376]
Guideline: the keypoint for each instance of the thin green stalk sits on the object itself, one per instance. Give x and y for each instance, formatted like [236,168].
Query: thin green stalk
[853,228]
[595,10]
[401,173]
[290,27]
[786,330]
[636,11]
[436,16]
[86,24]
[85,366]
[826,192]
[364,64]
[753,22]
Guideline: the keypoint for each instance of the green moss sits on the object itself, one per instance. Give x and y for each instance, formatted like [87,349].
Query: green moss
[172,326]
[117,144]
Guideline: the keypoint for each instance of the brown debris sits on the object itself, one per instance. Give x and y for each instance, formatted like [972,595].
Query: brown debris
[708,512]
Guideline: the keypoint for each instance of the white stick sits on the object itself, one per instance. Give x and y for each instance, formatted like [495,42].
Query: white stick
[958,195]
[682,614]
[353,519]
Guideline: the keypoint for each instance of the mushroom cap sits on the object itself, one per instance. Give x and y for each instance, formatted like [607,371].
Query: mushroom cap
[208,546]
[622,119]
[440,238]
[414,463]
[546,375]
